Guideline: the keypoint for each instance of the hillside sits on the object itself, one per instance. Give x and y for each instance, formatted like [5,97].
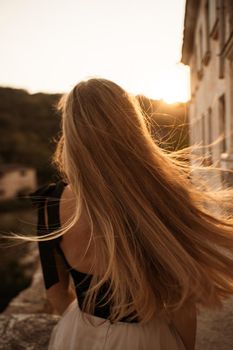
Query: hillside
[30,126]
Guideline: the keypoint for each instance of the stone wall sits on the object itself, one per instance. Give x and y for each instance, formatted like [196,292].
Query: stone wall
[25,331]
[27,322]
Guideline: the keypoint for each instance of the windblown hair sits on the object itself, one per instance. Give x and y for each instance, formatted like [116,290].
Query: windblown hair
[161,240]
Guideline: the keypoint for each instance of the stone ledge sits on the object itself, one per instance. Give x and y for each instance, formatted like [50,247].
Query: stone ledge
[31,300]
[26,331]
[27,322]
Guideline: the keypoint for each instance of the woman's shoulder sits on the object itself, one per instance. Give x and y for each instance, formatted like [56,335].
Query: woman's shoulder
[75,241]
[68,208]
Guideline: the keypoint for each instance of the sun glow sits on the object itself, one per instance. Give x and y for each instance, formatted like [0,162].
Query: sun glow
[174,85]
[137,47]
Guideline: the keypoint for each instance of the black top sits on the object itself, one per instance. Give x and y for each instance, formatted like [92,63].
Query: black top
[52,193]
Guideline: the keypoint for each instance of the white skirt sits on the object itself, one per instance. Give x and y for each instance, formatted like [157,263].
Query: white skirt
[72,332]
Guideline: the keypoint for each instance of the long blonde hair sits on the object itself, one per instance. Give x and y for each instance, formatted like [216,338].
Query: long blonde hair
[156,235]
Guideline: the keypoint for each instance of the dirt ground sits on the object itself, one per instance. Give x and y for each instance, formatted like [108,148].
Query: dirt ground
[215,328]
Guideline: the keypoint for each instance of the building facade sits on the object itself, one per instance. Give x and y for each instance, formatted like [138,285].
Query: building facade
[208,50]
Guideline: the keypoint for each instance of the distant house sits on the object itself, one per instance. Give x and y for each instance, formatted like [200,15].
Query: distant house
[16,180]
[208,50]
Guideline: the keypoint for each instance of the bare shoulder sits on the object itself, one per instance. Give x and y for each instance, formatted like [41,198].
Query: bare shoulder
[75,241]
[68,208]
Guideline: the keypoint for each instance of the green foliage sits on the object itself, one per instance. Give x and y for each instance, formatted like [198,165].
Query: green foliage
[169,122]
[29,126]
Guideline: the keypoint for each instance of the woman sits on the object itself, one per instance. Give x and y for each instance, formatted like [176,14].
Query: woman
[126,223]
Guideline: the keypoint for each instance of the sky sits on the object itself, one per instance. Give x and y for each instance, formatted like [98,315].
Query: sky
[50,45]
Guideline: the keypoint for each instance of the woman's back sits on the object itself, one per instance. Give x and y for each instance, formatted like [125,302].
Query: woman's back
[122,335]
[76,245]
[154,238]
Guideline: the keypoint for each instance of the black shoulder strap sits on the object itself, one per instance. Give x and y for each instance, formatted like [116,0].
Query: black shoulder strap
[53,210]
[53,207]
[46,248]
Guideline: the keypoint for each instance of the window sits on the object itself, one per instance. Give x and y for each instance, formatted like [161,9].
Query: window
[193,72]
[222,120]
[213,18]
[221,38]
[206,42]
[206,135]
[199,53]
[201,43]
[229,18]
[209,126]
[227,32]
[203,141]
[209,133]
[230,14]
